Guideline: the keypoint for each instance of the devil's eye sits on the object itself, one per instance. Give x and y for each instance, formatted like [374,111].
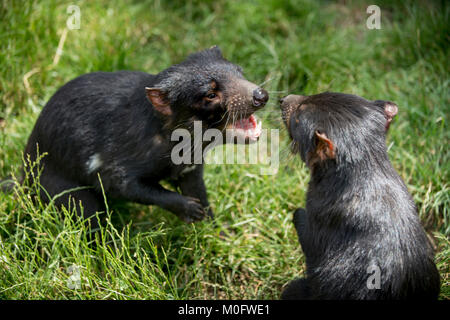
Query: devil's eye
[211,96]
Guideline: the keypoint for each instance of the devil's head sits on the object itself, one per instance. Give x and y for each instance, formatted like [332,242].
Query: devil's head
[208,88]
[336,127]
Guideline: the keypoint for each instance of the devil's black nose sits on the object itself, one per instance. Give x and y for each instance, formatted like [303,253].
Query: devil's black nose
[260,97]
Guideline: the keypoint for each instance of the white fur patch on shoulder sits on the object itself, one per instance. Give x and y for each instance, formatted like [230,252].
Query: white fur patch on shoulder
[93,163]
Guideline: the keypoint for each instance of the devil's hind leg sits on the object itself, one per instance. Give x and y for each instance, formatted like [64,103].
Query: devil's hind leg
[55,186]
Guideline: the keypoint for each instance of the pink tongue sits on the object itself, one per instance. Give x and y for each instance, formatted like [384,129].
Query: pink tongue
[247,124]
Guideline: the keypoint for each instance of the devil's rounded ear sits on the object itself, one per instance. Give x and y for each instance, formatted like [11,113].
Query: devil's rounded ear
[390,110]
[325,148]
[158,99]
[216,49]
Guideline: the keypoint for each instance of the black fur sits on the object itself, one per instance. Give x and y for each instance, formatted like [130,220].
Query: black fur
[104,123]
[358,210]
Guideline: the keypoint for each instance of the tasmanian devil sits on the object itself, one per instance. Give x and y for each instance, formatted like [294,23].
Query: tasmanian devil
[360,231]
[118,126]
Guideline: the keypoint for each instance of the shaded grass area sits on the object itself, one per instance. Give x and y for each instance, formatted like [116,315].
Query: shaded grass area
[294,46]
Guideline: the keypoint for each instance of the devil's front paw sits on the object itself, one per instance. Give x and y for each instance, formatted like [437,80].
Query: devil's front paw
[192,210]
[300,224]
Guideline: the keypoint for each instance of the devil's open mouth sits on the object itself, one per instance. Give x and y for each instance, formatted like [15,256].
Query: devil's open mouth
[246,130]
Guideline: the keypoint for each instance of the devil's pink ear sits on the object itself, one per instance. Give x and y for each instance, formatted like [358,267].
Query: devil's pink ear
[390,111]
[216,49]
[325,148]
[159,100]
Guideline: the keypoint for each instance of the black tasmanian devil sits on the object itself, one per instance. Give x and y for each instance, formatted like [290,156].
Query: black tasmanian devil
[360,232]
[119,125]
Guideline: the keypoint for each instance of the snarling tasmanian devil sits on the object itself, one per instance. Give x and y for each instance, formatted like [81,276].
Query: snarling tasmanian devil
[360,232]
[115,127]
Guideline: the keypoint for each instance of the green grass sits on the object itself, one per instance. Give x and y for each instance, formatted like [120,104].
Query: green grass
[298,46]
